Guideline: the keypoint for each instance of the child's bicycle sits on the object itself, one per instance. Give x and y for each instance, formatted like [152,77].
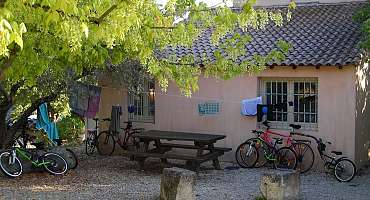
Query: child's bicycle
[343,168]
[11,165]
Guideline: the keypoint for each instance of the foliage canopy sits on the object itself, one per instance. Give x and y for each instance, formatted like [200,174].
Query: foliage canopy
[44,44]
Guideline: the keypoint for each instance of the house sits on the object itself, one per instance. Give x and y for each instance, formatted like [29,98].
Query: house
[325,63]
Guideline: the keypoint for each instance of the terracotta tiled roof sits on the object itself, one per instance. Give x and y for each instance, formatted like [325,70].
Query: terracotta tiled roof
[321,34]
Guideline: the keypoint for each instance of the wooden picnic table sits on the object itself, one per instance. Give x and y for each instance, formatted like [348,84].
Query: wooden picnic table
[202,143]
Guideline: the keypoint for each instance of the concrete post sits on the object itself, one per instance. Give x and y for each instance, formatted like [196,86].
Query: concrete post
[177,184]
[280,185]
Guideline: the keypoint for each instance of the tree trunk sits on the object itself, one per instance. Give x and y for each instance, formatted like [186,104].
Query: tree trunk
[3,129]
[5,136]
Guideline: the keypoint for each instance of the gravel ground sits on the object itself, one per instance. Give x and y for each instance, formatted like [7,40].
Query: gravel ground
[118,178]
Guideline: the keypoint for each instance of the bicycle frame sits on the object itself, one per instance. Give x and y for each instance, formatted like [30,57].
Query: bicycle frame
[27,155]
[266,137]
[271,147]
[324,157]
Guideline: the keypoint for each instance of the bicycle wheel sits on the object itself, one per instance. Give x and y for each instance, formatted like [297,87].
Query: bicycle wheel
[90,142]
[260,146]
[11,167]
[285,158]
[344,170]
[71,159]
[54,163]
[305,156]
[105,143]
[246,154]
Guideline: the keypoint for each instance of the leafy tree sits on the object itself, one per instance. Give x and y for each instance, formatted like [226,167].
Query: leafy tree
[46,44]
[363,17]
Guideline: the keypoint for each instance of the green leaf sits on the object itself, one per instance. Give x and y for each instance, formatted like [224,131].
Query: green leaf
[23,28]
[6,24]
[15,37]
[85,29]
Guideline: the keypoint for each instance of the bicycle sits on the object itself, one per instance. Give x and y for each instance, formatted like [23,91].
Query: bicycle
[91,137]
[107,140]
[12,167]
[336,165]
[282,158]
[25,138]
[304,153]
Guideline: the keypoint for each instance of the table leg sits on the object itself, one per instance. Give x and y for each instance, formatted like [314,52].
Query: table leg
[215,161]
[196,164]
[161,150]
[141,160]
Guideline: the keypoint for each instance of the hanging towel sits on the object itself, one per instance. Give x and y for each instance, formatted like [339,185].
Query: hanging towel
[115,119]
[249,106]
[43,122]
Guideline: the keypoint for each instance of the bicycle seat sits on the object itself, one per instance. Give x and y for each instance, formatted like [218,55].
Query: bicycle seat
[138,129]
[266,123]
[295,126]
[38,145]
[95,119]
[106,119]
[337,152]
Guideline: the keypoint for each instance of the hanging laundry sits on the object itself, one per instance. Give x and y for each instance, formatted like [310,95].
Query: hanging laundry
[79,98]
[94,100]
[249,106]
[115,118]
[265,109]
[43,122]
[84,99]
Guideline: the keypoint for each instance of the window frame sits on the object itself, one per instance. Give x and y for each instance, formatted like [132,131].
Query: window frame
[134,117]
[284,125]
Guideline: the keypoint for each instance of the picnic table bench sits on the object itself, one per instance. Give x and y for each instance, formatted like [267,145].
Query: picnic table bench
[203,144]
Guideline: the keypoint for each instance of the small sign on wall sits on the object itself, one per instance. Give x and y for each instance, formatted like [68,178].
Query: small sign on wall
[209,108]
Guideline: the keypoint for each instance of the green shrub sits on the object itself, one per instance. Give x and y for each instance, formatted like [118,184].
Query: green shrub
[70,128]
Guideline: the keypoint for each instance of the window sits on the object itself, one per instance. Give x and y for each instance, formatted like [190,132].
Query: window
[208,108]
[302,92]
[144,104]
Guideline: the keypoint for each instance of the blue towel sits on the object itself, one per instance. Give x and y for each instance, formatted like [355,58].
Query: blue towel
[43,122]
[249,106]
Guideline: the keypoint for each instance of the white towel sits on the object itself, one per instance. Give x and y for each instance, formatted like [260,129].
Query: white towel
[249,106]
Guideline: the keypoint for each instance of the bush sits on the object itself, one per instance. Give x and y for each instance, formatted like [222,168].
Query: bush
[70,128]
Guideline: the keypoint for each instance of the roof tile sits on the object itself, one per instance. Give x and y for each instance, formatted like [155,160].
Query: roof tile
[323,34]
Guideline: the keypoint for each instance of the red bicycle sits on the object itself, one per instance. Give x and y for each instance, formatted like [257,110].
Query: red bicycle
[304,152]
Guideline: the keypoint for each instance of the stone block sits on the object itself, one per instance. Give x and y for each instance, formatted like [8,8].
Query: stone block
[280,185]
[177,184]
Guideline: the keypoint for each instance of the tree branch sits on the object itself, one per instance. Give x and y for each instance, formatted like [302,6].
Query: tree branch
[92,19]
[105,14]
[5,94]
[14,90]
[2,3]
[23,118]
